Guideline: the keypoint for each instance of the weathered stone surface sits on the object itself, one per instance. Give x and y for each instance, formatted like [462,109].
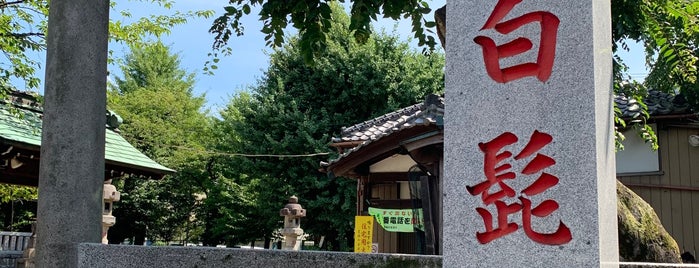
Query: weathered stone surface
[71,171]
[486,100]
[642,237]
[116,256]
[98,255]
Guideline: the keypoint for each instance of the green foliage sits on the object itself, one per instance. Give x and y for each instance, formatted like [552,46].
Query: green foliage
[17,207]
[144,30]
[23,27]
[669,32]
[166,121]
[9,192]
[667,28]
[228,213]
[313,19]
[296,107]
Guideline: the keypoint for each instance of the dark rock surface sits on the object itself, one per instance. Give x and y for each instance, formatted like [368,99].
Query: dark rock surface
[642,237]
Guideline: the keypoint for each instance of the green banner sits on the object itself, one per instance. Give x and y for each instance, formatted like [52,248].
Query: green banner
[398,220]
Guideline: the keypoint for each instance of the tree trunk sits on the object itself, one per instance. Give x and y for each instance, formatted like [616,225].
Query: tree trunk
[268,242]
[331,242]
[440,17]
[139,237]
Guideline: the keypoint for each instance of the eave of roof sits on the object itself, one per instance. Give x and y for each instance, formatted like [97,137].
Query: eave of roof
[372,132]
[25,130]
[357,138]
[375,150]
[660,105]
[427,112]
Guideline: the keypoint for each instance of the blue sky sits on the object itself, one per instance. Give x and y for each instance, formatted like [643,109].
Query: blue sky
[250,55]
[193,44]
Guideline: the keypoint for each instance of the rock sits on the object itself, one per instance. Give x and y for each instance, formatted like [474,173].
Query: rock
[642,237]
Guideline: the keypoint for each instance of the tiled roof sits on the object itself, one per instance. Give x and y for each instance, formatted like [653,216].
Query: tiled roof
[659,103]
[26,129]
[430,112]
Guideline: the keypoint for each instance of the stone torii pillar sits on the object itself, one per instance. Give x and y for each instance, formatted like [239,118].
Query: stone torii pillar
[292,212]
[71,171]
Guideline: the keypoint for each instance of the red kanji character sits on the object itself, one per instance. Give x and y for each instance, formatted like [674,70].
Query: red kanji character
[545,181]
[561,236]
[491,169]
[537,141]
[504,227]
[492,53]
[541,184]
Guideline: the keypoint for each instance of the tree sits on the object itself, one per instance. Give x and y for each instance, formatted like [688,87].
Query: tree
[669,32]
[23,26]
[295,108]
[230,210]
[21,33]
[18,207]
[313,20]
[165,120]
[668,29]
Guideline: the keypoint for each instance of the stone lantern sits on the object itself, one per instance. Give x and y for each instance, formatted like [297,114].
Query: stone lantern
[292,231]
[110,195]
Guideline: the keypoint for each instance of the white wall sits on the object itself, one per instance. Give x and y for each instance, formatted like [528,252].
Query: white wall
[637,155]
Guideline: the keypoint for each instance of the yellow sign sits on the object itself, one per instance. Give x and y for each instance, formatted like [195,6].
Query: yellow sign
[363,229]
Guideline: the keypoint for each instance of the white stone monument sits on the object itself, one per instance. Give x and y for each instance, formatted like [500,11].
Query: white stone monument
[529,171]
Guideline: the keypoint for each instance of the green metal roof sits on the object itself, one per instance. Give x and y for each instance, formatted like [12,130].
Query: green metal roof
[25,129]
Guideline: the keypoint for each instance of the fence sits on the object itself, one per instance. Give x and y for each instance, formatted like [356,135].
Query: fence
[12,245]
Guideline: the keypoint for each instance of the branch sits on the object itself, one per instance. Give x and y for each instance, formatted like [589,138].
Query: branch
[6,4]
[20,35]
[33,10]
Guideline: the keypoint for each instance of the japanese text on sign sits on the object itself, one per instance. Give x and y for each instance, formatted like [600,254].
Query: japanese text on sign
[398,220]
[492,53]
[363,231]
[496,174]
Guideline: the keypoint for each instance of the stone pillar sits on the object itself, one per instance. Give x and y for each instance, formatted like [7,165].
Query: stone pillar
[529,150]
[110,195]
[292,232]
[71,171]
